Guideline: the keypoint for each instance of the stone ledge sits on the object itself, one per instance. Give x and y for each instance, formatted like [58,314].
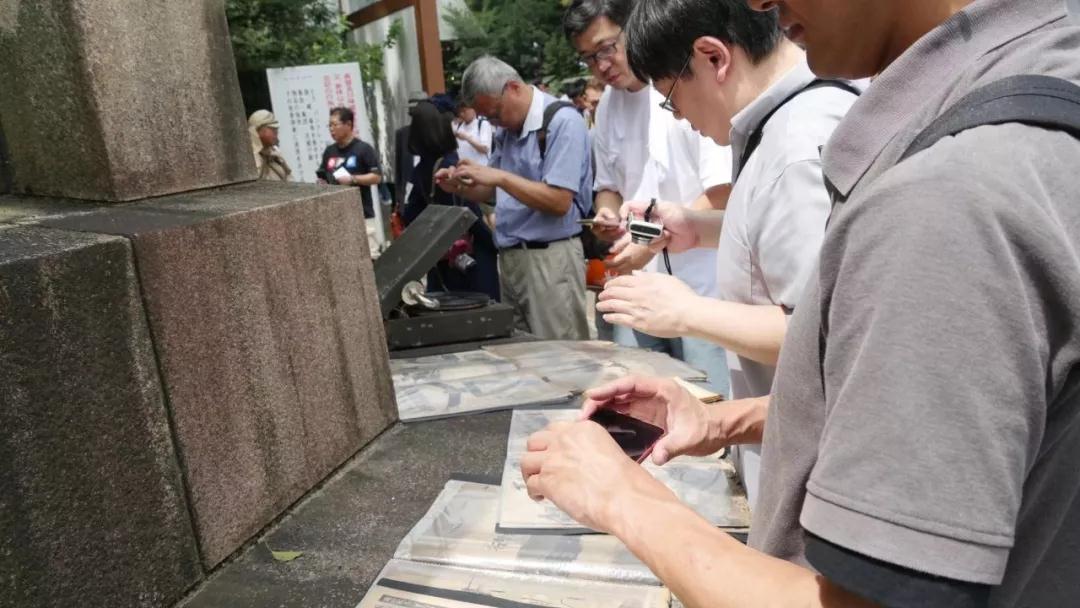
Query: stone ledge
[93,510]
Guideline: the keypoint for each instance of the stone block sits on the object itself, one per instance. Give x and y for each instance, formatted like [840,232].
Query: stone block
[265,316]
[115,100]
[92,507]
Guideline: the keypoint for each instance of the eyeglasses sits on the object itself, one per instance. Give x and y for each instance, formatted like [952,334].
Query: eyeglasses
[495,115]
[605,52]
[667,103]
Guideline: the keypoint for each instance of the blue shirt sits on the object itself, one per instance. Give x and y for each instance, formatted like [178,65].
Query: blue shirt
[567,164]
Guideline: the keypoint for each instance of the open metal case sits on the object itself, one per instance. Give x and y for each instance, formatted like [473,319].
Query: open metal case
[416,319]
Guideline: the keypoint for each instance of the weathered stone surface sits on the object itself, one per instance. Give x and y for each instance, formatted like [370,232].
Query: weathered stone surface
[265,316]
[350,528]
[116,100]
[92,510]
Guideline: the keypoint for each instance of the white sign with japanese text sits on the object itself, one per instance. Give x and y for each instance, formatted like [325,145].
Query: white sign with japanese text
[302,98]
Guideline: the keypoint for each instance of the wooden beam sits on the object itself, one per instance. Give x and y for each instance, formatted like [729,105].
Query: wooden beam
[374,12]
[427,35]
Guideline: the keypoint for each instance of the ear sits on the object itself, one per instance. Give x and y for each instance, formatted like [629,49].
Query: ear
[718,55]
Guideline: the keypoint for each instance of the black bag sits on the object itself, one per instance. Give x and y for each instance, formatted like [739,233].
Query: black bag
[1035,100]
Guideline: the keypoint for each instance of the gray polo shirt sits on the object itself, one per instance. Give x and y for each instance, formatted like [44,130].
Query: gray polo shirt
[926,411]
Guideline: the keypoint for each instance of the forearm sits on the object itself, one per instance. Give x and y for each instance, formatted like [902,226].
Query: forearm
[367,179]
[608,199]
[738,422]
[705,567]
[713,198]
[479,147]
[536,195]
[707,224]
[749,330]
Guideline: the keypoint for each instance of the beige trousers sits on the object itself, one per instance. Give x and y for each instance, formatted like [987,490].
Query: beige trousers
[546,287]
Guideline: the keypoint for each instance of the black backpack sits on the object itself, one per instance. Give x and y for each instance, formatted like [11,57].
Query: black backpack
[549,115]
[1038,101]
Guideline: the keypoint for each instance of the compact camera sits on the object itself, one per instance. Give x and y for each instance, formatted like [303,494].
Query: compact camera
[641,231]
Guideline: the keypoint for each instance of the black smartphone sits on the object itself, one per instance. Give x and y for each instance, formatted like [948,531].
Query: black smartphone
[635,437]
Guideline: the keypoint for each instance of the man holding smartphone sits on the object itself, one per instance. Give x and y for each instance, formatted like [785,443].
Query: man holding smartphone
[540,178]
[922,439]
[643,152]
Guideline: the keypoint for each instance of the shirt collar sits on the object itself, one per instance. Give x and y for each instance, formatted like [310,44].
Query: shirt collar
[748,119]
[535,118]
[936,59]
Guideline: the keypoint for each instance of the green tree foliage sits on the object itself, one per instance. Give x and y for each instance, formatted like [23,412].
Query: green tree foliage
[282,33]
[527,34]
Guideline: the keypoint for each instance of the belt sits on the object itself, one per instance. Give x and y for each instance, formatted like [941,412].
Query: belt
[537,244]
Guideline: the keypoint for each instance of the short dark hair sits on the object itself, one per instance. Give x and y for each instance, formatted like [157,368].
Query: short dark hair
[343,114]
[582,13]
[575,89]
[661,33]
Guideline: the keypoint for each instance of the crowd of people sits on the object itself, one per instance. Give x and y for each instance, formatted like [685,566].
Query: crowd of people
[863,245]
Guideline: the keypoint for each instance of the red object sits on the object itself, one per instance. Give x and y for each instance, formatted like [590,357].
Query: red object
[397,225]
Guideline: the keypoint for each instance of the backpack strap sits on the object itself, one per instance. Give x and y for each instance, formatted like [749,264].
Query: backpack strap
[754,140]
[1034,100]
[549,115]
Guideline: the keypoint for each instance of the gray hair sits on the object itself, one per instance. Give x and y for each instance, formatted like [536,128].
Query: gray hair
[486,76]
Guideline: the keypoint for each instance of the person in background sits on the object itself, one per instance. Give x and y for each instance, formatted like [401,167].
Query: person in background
[594,89]
[475,135]
[643,152]
[263,127]
[540,194]
[432,140]
[351,162]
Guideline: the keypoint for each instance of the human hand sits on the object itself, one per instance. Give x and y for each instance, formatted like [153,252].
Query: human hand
[444,178]
[679,234]
[629,256]
[472,174]
[344,180]
[461,135]
[664,403]
[607,225]
[580,468]
[654,303]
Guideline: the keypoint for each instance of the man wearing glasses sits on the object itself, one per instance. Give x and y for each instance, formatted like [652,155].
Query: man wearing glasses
[731,73]
[643,152]
[539,195]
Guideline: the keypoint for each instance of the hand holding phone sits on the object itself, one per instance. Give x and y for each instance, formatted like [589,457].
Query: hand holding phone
[635,437]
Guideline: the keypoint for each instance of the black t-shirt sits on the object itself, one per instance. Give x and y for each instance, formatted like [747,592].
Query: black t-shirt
[358,158]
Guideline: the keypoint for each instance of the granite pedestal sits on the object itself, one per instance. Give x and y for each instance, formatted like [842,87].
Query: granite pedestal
[115,100]
[92,507]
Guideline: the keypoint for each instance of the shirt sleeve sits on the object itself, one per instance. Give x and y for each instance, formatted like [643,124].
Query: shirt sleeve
[371,160]
[937,360]
[566,161]
[786,227]
[886,584]
[606,177]
[714,163]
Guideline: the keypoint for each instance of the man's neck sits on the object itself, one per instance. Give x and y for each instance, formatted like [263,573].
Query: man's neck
[345,144]
[529,93]
[915,19]
[767,72]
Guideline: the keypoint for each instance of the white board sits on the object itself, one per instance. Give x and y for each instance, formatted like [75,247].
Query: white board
[302,98]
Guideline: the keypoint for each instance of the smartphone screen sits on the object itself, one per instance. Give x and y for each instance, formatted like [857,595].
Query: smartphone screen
[635,437]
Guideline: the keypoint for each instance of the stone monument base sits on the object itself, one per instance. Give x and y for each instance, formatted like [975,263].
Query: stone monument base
[174,374]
